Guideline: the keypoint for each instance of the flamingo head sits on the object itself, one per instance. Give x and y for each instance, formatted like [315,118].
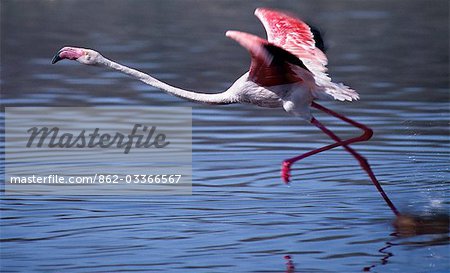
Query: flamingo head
[81,55]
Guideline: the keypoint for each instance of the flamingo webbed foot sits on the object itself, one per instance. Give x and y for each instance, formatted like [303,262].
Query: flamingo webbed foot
[285,171]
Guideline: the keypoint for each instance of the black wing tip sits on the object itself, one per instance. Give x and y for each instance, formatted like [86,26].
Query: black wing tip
[281,55]
[318,37]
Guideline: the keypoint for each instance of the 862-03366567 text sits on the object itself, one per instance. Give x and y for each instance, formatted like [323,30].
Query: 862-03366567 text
[98,179]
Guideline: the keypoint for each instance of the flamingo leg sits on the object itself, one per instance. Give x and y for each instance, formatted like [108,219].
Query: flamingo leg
[362,161]
[285,173]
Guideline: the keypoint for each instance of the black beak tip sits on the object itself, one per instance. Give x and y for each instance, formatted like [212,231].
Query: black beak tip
[56,58]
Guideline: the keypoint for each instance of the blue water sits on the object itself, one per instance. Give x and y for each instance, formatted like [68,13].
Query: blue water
[240,217]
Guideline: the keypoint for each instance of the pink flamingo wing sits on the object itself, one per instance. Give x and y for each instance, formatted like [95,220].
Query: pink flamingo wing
[293,35]
[263,70]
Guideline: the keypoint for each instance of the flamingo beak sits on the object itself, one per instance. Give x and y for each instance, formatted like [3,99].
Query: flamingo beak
[56,58]
[71,53]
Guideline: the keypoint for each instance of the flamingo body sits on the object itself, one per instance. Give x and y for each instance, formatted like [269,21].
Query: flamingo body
[287,71]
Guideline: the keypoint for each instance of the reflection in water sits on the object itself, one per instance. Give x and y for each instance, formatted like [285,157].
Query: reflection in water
[414,225]
[386,255]
[290,267]
[240,218]
[438,224]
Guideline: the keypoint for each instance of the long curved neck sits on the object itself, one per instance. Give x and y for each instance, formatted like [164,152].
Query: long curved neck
[219,98]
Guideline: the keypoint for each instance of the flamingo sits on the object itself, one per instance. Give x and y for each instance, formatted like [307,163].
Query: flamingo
[288,70]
